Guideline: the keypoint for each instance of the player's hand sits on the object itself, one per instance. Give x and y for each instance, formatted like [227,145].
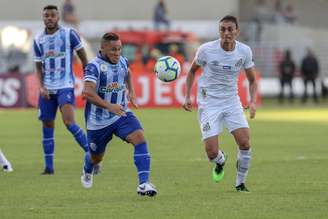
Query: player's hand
[133,100]
[252,110]
[187,104]
[44,93]
[116,109]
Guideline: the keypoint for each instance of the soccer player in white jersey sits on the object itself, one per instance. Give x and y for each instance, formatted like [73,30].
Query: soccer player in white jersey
[4,163]
[107,88]
[218,101]
[54,49]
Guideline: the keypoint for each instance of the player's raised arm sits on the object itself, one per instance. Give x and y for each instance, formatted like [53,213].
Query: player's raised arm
[189,82]
[131,92]
[251,76]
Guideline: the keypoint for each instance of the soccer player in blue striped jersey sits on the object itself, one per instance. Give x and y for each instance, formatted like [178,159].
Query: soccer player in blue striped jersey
[107,88]
[53,59]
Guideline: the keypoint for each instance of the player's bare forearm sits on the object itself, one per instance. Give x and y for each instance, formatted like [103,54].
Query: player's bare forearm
[131,93]
[39,72]
[251,76]
[83,56]
[189,82]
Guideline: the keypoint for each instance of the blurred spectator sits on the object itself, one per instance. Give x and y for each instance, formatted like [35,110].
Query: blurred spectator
[174,52]
[289,14]
[160,16]
[310,72]
[278,16]
[263,13]
[287,69]
[137,65]
[68,13]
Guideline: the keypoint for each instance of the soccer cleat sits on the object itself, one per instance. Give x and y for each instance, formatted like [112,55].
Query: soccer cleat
[242,188]
[97,169]
[218,172]
[146,189]
[7,168]
[87,180]
[47,171]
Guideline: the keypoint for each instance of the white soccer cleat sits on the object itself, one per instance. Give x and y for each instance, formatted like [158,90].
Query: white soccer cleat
[7,168]
[146,189]
[87,180]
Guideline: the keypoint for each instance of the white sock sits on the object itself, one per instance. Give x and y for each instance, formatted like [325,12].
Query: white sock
[244,158]
[219,158]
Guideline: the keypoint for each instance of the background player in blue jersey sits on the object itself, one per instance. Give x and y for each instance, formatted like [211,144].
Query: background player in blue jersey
[53,58]
[107,88]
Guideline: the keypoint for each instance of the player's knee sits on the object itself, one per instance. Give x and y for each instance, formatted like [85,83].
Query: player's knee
[48,124]
[68,122]
[136,137]
[243,143]
[96,158]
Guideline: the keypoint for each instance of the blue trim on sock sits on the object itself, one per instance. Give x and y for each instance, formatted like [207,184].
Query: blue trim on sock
[48,144]
[142,162]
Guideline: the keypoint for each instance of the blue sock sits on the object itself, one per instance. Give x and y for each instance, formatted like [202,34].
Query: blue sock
[142,162]
[88,165]
[79,136]
[48,147]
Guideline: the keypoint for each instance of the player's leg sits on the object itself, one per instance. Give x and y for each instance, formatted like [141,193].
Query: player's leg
[98,140]
[130,130]
[66,103]
[211,125]
[47,114]
[241,136]
[216,156]
[4,163]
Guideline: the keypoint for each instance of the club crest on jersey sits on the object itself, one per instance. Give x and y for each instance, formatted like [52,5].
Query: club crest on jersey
[239,63]
[103,67]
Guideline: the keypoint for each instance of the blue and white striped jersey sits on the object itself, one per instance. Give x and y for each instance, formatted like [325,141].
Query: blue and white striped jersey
[110,86]
[55,52]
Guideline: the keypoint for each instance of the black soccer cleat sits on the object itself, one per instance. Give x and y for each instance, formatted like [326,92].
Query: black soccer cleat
[242,188]
[48,172]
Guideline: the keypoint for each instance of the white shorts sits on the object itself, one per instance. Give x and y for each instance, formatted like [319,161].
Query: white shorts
[212,119]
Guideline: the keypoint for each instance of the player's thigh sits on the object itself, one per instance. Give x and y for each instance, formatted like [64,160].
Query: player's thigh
[234,117]
[47,108]
[66,101]
[210,121]
[129,129]
[98,140]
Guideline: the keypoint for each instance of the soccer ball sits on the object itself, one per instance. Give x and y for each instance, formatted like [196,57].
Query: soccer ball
[167,68]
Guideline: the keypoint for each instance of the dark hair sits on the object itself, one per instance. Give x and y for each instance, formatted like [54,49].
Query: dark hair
[50,7]
[110,36]
[230,18]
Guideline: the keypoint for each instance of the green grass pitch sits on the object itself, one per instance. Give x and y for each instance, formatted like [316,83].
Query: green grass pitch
[288,176]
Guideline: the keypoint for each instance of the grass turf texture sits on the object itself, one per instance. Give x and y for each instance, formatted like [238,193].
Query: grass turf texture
[288,176]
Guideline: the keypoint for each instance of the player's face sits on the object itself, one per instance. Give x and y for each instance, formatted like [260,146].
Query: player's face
[228,32]
[50,18]
[112,50]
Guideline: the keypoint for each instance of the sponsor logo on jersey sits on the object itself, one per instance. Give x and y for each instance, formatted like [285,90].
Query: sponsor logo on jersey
[112,87]
[226,67]
[53,54]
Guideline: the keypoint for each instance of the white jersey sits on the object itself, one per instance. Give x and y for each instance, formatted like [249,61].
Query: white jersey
[219,81]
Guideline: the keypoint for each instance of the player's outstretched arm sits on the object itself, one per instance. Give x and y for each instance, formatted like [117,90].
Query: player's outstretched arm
[251,76]
[189,82]
[131,94]
[89,93]
[83,56]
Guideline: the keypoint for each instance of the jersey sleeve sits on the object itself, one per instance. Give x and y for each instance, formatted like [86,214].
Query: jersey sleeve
[91,73]
[75,39]
[249,63]
[37,52]
[200,57]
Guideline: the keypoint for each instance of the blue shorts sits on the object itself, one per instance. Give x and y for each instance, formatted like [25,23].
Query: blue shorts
[48,108]
[124,126]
